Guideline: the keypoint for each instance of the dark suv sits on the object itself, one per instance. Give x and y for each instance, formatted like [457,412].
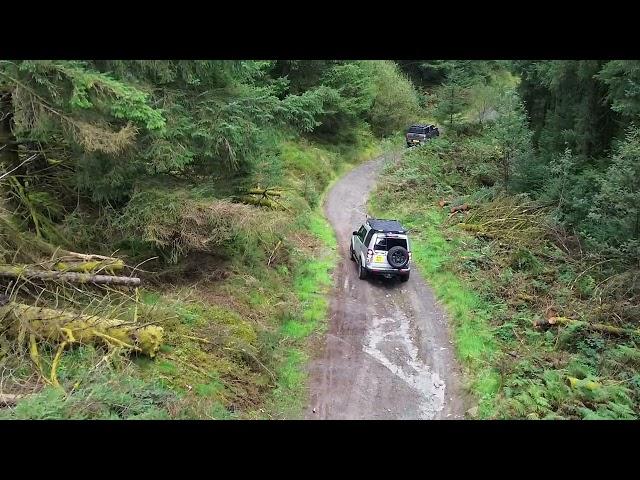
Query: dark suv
[418,134]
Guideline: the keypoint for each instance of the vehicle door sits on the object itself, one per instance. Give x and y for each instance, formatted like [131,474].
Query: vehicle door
[358,241]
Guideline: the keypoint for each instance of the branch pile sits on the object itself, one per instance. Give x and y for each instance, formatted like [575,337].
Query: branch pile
[508,220]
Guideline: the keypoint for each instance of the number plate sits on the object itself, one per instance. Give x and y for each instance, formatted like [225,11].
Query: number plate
[378,259]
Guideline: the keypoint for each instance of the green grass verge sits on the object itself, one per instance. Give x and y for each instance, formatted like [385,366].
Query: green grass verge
[312,282]
[470,313]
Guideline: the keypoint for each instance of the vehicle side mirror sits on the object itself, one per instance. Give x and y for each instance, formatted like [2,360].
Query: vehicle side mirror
[355,233]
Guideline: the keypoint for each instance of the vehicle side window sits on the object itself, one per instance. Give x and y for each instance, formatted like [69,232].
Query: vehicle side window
[368,239]
[361,233]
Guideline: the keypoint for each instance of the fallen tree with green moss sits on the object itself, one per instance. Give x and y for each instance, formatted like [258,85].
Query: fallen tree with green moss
[64,328]
[57,326]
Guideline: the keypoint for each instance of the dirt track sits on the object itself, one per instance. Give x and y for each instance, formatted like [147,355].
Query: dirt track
[387,352]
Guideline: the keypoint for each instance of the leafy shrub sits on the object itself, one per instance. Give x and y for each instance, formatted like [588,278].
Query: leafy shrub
[395,103]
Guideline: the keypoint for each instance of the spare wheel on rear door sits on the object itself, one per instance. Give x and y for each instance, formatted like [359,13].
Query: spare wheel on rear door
[398,256]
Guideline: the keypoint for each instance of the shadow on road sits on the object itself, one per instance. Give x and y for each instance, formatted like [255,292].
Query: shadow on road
[379,281]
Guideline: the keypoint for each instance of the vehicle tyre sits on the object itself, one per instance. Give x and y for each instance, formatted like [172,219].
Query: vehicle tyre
[404,278]
[398,256]
[362,272]
[351,253]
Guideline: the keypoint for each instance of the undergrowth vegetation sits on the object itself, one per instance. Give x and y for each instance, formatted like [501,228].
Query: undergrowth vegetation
[525,221]
[543,329]
[204,180]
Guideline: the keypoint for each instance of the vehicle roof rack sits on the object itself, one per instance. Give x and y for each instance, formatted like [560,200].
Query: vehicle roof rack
[386,226]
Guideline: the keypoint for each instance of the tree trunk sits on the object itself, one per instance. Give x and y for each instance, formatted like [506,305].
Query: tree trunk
[505,170]
[21,271]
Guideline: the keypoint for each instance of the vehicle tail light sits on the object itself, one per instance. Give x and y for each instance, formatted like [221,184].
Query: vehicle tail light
[409,256]
[369,255]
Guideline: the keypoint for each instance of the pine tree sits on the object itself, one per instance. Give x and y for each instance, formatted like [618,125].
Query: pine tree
[512,134]
[615,215]
[453,98]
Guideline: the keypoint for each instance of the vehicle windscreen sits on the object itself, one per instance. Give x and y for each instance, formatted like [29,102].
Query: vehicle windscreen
[386,243]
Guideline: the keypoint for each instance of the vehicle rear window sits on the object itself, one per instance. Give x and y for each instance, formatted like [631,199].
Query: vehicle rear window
[417,130]
[386,243]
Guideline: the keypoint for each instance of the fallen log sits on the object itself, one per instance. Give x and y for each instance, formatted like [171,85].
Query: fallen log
[460,208]
[23,271]
[264,192]
[470,227]
[261,202]
[63,327]
[598,327]
[475,229]
[109,265]
[263,197]
[525,297]
[88,257]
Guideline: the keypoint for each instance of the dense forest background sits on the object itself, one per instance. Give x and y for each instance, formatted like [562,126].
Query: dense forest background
[110,141]
[206,176]
[574,126]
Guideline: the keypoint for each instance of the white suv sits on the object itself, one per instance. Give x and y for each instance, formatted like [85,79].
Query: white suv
[381,247]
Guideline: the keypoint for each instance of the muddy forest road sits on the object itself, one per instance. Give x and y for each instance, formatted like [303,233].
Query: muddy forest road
[387,353]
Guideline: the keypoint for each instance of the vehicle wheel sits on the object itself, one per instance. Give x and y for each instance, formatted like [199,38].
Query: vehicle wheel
[351,254]
[362,272]
[404,278]
[398,256]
